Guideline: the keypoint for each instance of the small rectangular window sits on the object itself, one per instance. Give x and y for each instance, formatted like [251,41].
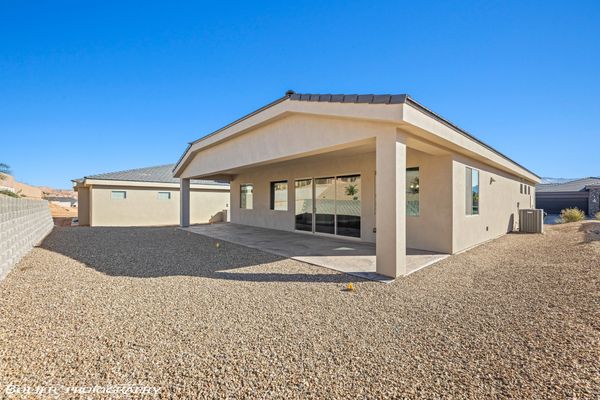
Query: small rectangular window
[246,194]
[279,196]
[521,188]
[164,195]
[118,194]
[412,192]
[472,195]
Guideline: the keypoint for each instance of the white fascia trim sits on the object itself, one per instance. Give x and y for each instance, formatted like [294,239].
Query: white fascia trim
[373,112]
[107,182]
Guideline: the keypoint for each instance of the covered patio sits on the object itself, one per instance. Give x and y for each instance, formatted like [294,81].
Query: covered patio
[333,170]
[379,174]
[352,257]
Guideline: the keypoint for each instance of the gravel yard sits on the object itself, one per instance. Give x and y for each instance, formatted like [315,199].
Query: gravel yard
[516,317]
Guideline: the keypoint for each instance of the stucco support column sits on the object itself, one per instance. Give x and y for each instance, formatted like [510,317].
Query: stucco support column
[184,209]
[390,204]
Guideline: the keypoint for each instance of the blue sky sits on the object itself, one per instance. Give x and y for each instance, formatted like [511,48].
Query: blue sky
[90,87]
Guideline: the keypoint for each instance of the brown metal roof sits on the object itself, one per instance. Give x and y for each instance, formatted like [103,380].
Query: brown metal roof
[351,98]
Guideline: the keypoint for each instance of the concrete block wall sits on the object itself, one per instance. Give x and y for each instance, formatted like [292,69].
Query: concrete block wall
[23,224]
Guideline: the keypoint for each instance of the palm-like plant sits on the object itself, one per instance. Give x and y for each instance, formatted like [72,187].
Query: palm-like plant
[352,190]
[4,170]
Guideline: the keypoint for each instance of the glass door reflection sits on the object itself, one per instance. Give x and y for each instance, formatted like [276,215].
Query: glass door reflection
[325,205]
[304,204]
[348,191]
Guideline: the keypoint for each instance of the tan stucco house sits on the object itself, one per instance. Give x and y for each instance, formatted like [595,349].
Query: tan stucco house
[374,168]
[147,197]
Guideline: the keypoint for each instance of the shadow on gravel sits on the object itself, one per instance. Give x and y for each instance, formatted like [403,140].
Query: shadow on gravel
[156,252]
[591,231]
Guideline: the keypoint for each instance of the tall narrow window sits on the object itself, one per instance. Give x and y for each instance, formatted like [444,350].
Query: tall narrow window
[246,194]
[279,196]
[472,191]
[304,204]
[412,192]
[348,205]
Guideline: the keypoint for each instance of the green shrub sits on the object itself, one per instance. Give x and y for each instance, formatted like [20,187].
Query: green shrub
[572,215]
[597,216]
[10,194]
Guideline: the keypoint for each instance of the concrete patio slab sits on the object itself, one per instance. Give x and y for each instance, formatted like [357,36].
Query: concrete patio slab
[352,257]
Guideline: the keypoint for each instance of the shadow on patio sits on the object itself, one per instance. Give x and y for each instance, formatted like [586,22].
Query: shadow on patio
[352,257]
[152,252]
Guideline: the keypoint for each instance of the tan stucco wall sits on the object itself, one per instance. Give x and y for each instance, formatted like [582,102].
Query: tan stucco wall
[442,224]
[500,200]
[83,206]
[432,229]
[261,177]
[284,139]
[142,207]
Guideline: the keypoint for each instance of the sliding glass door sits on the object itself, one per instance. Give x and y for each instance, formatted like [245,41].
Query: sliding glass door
[329,205]
[325,205]
[304,204]
[347,202]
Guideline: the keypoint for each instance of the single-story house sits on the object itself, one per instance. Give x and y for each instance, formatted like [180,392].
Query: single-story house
[62,201]
[581,193]
[374,168]
[147,197]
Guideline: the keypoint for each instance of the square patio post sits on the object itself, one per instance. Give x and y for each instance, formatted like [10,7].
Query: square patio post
[390,181]
[184,209]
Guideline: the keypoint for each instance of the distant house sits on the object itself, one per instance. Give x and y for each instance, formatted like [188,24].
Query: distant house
[146,197]
[581,193]
[62,201]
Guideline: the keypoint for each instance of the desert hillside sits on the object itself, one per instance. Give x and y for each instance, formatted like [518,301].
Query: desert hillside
[53,195]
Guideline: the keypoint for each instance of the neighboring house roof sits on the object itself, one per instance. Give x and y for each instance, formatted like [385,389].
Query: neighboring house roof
[160,174]
[63,199]
[330,206]
[358,99]
[576,185]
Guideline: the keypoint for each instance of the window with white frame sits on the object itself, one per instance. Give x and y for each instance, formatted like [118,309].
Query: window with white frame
[246,194]
[118,195]
[164,195]
[472,191]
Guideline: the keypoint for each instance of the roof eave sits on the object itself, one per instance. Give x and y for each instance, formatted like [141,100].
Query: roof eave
[237,121]
[400,99]
[439,118]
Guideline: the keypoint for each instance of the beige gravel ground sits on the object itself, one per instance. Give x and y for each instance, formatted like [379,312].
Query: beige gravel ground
[516,317]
